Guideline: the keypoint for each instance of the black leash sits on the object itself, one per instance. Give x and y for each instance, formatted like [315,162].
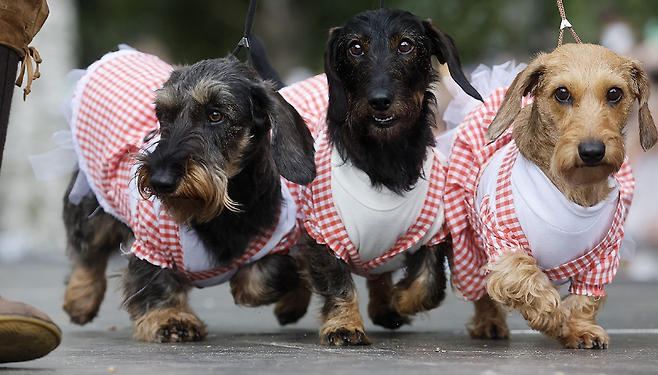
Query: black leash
[244,42]
[382,4]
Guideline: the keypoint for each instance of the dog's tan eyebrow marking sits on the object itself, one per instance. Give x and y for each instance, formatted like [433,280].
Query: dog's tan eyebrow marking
[166,97]
[206,90]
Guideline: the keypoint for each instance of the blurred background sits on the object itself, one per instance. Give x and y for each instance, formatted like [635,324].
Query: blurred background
[78,32]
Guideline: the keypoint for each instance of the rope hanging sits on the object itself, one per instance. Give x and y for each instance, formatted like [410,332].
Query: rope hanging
[244,42]
[565,24]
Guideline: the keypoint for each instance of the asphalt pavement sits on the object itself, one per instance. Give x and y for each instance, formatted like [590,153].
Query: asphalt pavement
[249,340]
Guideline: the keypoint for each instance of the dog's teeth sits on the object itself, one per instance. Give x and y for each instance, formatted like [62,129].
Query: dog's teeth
[383,119]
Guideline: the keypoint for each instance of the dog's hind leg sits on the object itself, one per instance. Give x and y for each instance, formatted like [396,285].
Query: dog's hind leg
[380,308]
[331,278]
[424,285]
[265,281]
[582,331]
[273,279]
[292,306]
[92,235]
[156,299]
[489,321]
[516,281]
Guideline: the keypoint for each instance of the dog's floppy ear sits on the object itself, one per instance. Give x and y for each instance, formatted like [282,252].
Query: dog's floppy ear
[292,144]
[444,48]
[522,85]
[291,141]
[337,110]
[648,132]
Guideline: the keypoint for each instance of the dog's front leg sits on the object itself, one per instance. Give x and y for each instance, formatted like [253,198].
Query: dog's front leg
[424,285]
[156,299]
[515,281]
[331,278]
[582,331]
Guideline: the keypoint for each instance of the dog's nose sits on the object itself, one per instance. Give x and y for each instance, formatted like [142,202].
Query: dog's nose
[591,152]
[380,100]
[163,182]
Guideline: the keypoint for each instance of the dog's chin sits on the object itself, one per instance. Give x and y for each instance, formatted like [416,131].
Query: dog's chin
[588,175]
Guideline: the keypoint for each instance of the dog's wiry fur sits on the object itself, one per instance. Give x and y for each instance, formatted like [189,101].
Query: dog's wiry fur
[380,118]
[226,137]
[576,137]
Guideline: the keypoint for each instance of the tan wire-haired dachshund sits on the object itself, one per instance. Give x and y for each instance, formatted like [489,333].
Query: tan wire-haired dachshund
[543,202]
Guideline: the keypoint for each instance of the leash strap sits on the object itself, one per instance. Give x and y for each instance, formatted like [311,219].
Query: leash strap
[244,42]
[565,24]
[382,4]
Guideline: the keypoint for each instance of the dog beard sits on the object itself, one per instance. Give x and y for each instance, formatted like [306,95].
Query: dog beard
[200,196]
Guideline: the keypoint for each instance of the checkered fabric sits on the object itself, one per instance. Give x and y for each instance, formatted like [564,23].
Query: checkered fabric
[113,111]
[482,236]
[321,218]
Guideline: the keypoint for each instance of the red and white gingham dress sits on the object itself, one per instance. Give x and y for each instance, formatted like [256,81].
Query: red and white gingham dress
[321,219]
[479,237]
[112,112]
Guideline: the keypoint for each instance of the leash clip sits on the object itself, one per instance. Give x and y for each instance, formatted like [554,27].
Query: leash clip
[244,42]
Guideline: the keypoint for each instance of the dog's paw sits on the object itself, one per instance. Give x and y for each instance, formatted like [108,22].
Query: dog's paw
[292,307]
[593,337]
[344,337]
[169,325]
[383,313]
[84,294]
[390,319]
[489,330]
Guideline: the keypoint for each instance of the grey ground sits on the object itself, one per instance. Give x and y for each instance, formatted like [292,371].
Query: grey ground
[249,341]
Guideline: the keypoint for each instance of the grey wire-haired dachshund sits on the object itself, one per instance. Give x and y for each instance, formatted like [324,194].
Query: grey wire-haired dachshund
[194,182]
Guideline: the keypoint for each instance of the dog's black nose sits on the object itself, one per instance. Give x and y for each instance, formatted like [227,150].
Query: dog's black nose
[380,100]
[163,182]
[591,152]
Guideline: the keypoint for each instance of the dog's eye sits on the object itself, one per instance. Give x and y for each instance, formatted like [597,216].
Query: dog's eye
[405,47]
[215,116]
[614,95]
[562,95]
[356,49]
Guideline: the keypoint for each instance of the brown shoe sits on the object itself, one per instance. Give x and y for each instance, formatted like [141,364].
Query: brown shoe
[25,332]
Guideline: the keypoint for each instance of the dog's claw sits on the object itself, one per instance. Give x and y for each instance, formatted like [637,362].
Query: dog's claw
[345,337]
[598,344]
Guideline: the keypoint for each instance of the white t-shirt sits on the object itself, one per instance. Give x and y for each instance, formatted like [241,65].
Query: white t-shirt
[558,230]
[375,218]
